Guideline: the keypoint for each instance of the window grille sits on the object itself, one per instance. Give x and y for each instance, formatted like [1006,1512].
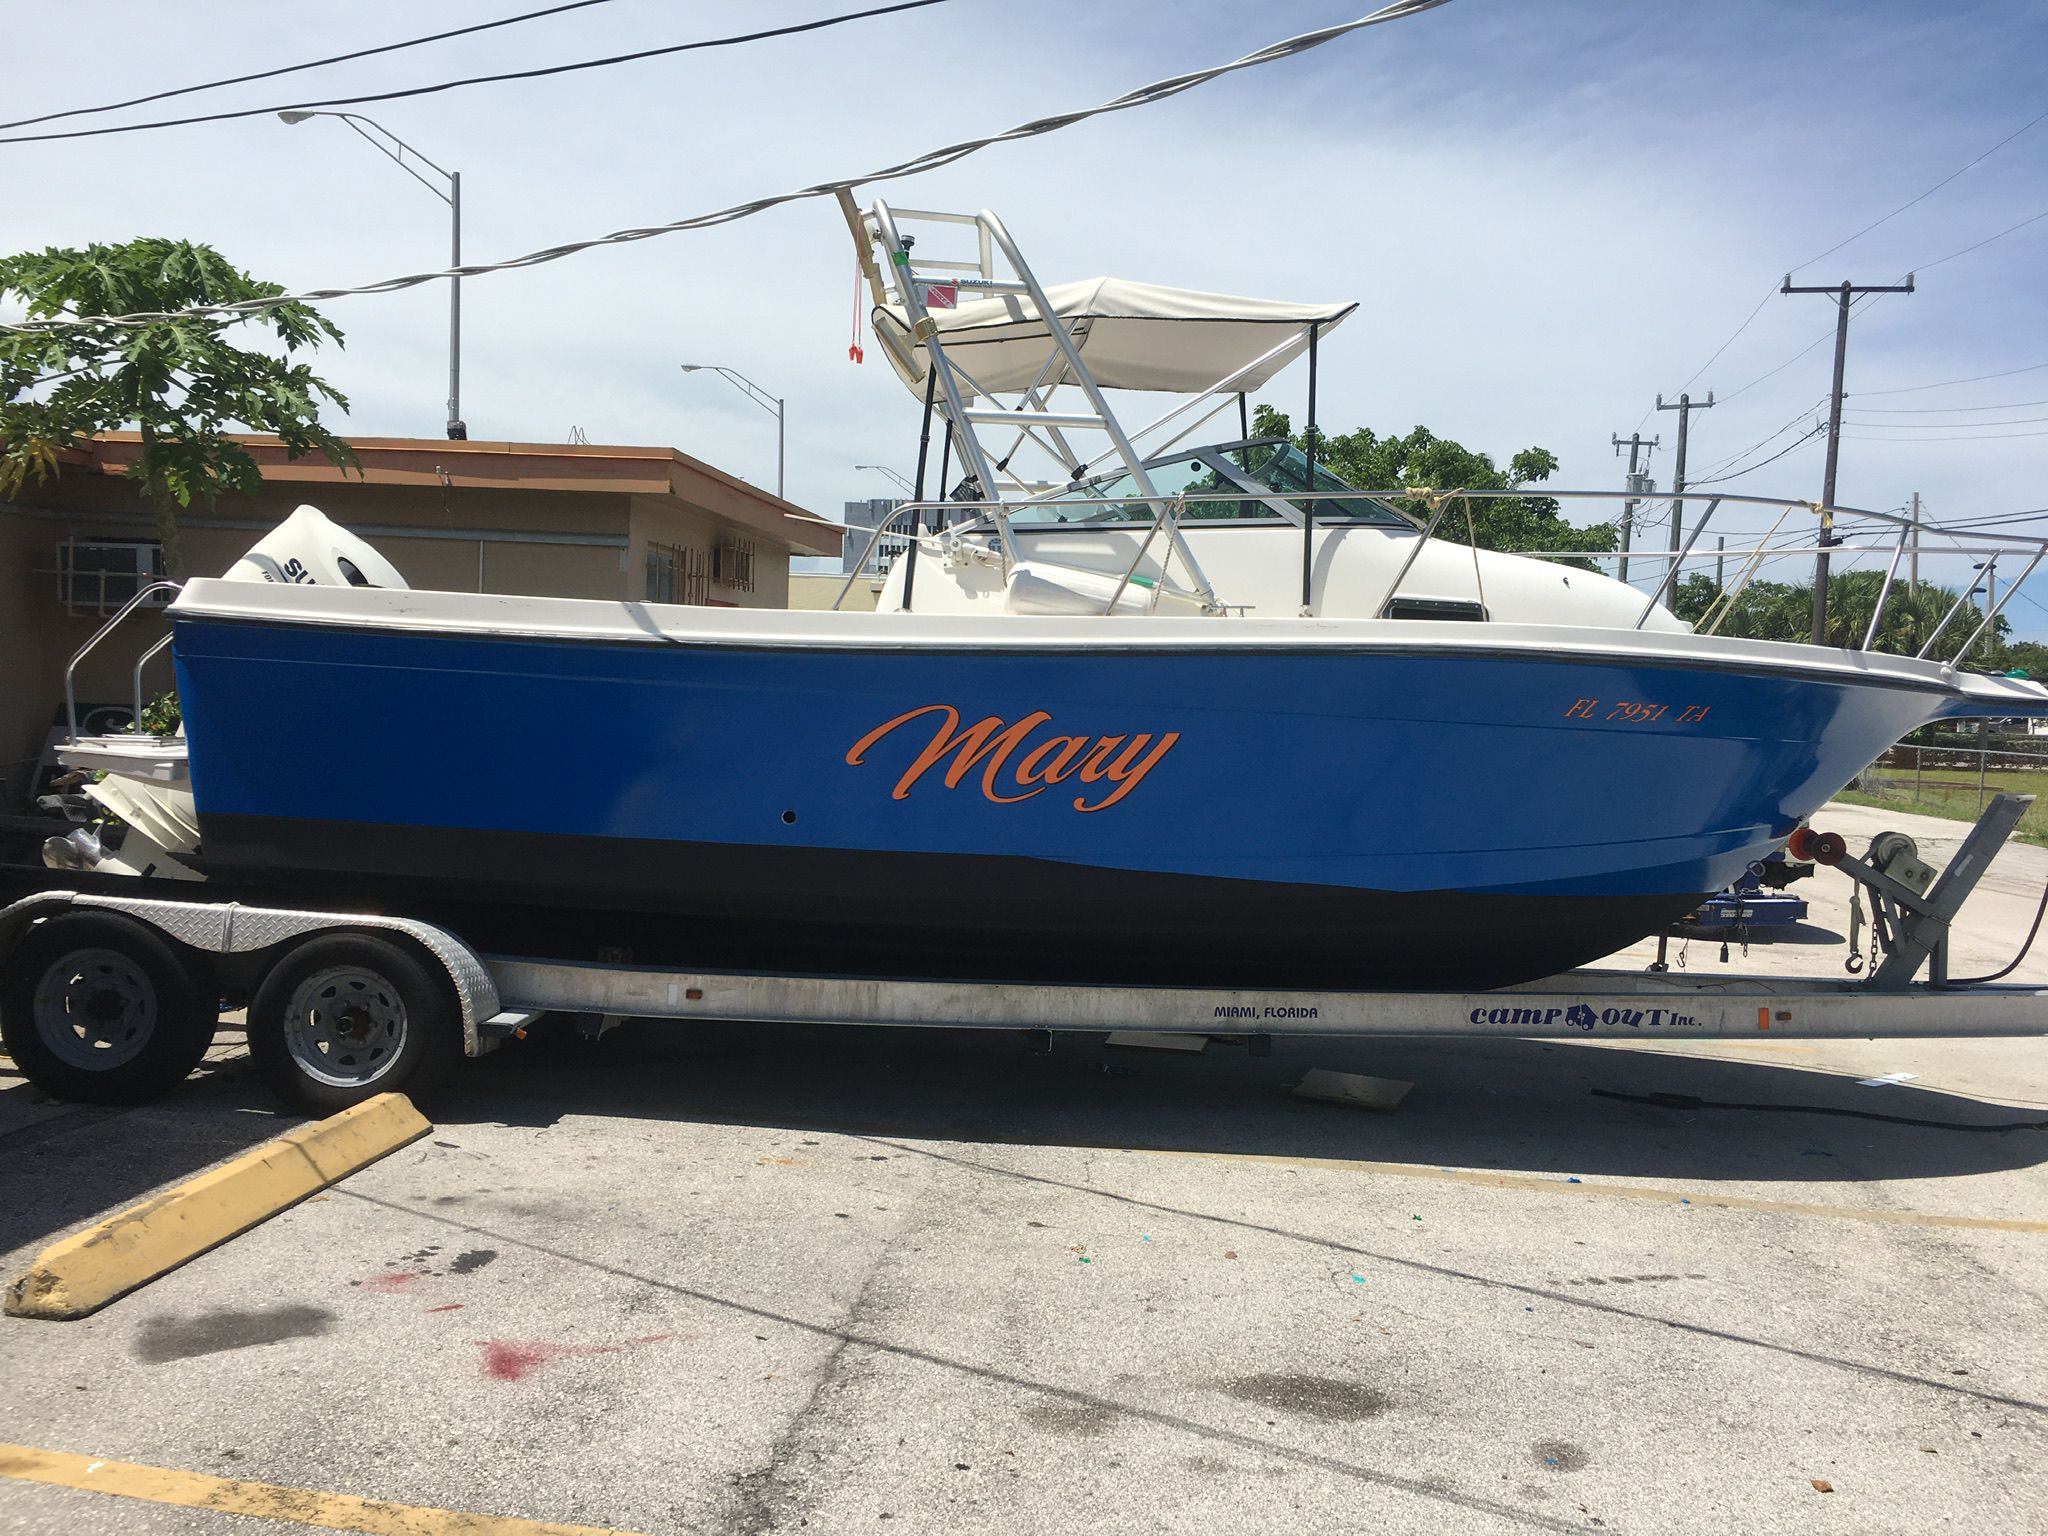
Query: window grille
[732,564]
[96,576]
[676,573]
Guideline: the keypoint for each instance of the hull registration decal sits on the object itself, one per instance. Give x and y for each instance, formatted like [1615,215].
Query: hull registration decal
[1013,766]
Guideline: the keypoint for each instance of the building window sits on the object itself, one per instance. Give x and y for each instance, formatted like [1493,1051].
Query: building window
[96,576]
[676,574]
[732,564]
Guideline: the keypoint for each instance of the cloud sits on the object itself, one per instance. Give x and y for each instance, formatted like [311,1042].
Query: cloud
[1550,213]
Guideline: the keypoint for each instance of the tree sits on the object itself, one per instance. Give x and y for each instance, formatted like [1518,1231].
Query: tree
[2029,656]
[178,382]
[1772,610]
[1422,459]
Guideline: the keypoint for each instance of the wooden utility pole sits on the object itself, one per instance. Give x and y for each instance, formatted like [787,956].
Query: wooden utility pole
[1913,569]
[1685,405]
[1845,294]
[1635,442]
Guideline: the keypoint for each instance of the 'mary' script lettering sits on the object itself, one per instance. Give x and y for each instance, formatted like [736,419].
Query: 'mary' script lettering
[997,748]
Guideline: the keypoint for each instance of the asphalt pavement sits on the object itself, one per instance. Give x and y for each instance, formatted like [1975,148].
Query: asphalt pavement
[779,1279]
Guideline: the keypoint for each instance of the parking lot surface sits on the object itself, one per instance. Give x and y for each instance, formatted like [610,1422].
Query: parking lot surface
[755,1278]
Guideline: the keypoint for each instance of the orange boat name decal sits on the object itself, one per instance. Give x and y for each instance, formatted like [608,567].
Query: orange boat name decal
[992,743]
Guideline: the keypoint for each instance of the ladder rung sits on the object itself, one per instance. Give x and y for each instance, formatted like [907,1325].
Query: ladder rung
[1033,419]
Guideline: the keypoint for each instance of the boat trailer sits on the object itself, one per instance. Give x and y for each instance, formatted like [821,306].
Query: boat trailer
[329,1007]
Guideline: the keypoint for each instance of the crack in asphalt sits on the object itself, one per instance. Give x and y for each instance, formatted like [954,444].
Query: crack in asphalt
[1445,1272]
[1419,1487]
[765,1497]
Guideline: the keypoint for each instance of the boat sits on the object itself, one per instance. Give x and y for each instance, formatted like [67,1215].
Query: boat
[1171,715]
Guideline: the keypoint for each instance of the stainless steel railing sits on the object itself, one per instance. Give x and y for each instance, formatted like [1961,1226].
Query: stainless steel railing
[71,671]
[1901,536]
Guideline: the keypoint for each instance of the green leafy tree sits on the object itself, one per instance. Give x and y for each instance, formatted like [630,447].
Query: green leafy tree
[2029,656]
[179,382]
[1422,459]
[1771,610]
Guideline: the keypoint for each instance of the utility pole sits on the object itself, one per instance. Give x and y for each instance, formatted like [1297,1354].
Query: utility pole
[1845,294]
[1685,405]
[1635,442]
[1913,569]
[1720,559]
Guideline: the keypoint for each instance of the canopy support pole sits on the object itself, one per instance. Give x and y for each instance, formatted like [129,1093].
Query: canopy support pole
[1308,508]
[924,453]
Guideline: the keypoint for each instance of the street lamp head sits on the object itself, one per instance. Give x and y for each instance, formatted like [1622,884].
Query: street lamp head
[295,117]
[693,367]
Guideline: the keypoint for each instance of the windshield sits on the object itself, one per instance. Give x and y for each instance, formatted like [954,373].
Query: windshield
[1100,501]
[1280,465]
[1241,469]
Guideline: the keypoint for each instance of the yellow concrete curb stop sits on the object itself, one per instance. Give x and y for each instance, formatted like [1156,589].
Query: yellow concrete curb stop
[82,1273]
[266,1501]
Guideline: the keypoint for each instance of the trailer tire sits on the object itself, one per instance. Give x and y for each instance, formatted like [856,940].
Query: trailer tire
[344,1017]
[97,1008]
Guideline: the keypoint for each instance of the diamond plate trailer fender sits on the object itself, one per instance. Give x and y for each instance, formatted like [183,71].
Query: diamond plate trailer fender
[230,928]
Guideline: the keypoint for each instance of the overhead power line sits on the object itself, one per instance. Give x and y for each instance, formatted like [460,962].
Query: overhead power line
[2008,230]
[1935,410]
[1764,442]
[514,74]
[1975,378]
[1972,437]
[1819,430]
[1146,95]
[1770,293]
[1946,426]
[292,69]
[1744,389]
[1967,523]
[2033,122]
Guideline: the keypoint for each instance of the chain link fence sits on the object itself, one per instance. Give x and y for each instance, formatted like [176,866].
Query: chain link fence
[1957,779]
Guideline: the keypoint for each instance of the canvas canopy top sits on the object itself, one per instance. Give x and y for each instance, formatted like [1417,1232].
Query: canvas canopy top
[1131,335]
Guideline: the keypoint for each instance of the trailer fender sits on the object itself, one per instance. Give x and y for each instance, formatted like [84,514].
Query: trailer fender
[231,928]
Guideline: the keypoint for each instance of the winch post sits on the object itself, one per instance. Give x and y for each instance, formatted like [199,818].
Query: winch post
[1920,931]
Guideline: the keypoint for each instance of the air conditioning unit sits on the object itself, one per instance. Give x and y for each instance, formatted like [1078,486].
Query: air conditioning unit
[97,576]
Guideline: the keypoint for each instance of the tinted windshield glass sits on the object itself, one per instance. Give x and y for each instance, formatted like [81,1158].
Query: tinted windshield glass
[1241,470]
[1283,467]
[1100,501]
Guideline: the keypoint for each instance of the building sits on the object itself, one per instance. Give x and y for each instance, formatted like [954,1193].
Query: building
[862,519]
[554,519]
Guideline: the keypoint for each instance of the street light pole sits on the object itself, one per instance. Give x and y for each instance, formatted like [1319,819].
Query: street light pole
[457,428]
[771,403]
[883,469]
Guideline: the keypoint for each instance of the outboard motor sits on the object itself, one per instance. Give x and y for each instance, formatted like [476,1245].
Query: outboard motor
[309,549]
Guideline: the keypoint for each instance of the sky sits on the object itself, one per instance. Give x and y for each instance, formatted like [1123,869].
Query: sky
[1550,213]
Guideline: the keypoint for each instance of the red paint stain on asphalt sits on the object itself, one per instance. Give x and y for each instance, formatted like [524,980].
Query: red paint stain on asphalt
[517,1359]
[393,1282]
[453,1306]
[507,1360]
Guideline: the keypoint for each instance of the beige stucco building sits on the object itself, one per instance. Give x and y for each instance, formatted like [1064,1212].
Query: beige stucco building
[561,520]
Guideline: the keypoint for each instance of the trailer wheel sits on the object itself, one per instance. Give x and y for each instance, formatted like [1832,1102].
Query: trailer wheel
[348,1016]
[99,1009]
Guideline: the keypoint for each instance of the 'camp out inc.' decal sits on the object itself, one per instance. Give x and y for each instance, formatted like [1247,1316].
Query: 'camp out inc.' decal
[1015,762]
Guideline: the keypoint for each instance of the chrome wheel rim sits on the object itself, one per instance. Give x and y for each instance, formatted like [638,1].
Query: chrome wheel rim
[95,1009]
[344,1026]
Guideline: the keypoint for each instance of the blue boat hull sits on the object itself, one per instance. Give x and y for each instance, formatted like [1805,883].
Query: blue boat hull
[1311,817]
